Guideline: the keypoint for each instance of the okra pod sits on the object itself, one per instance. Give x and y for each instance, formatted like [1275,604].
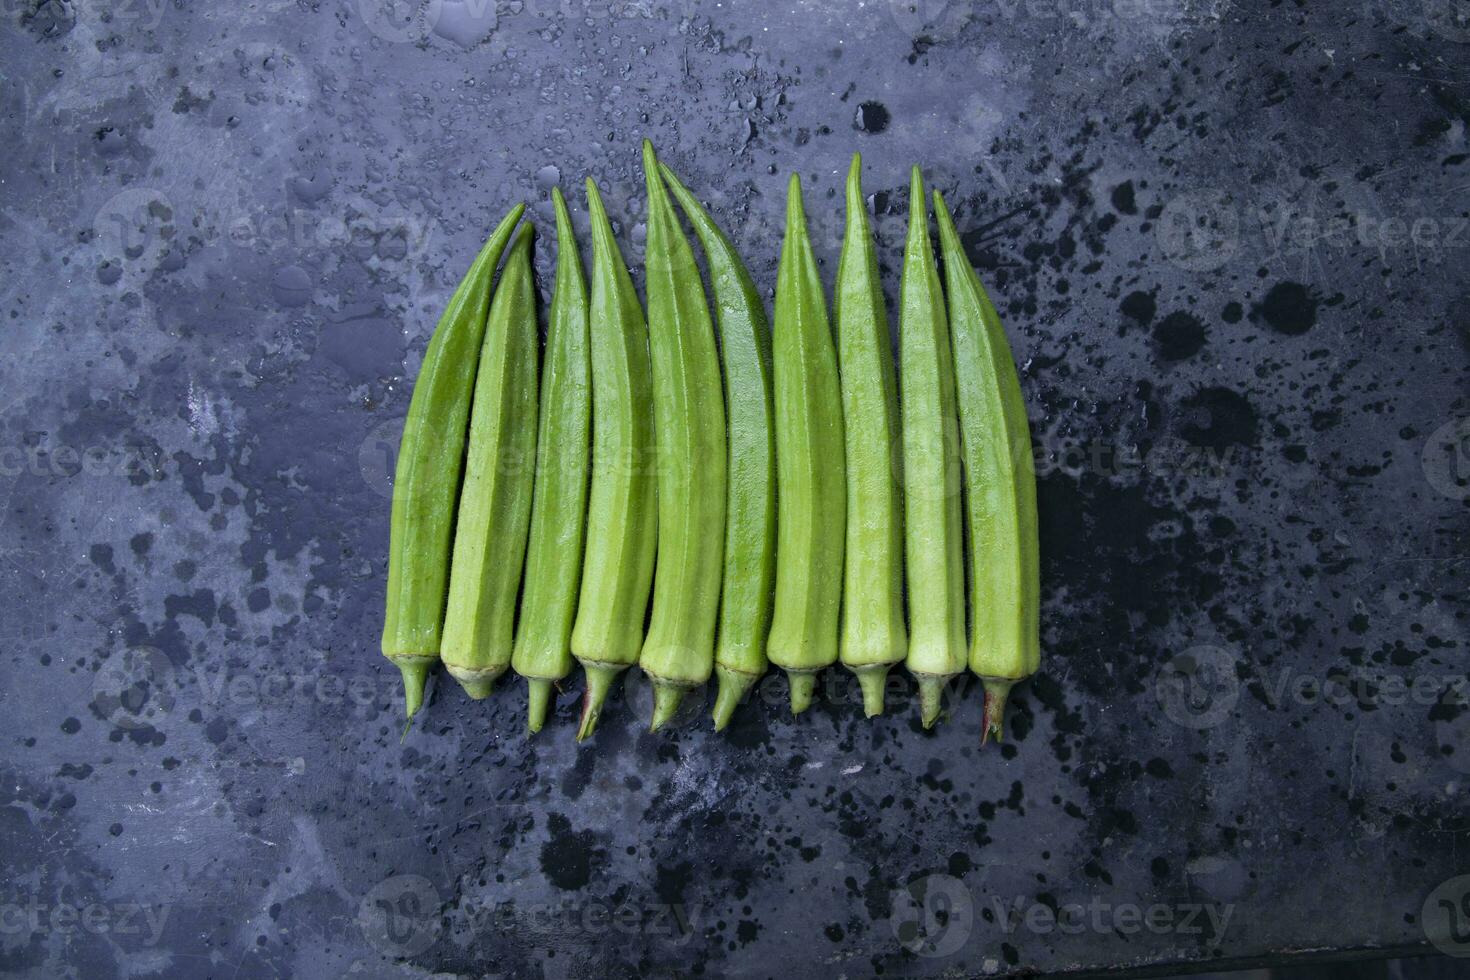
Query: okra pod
[427,475]
[810,468]
[559,504]
[933,555]
[622,516]
[873,635]
[689,434]
[1000,486]
[750,520]
[495,502]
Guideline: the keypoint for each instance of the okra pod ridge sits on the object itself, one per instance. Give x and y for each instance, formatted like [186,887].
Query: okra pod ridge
[933,529]
[427,474]
[689,433]
[810,467]
[495,501]
[1000,486]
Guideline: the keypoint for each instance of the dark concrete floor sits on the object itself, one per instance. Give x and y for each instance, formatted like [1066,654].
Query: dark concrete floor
[1230,241]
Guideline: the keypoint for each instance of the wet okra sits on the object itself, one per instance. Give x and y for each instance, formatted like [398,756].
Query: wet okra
[873,635]
[750,520]
[495,502]
[811,493]
[689,434]
[559,504]
[934,559]
[1000,486]
[427,477]
[622,516]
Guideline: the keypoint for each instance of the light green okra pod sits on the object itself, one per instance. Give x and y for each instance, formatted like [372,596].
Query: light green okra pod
[689,431]
[750,522]
[559,505]
[495,502]
[933,549]
[873,635]
[426,482]
[1000,486]
[622,515]
[810,472]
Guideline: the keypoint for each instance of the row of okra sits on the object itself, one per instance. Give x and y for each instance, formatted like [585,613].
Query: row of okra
[786,495]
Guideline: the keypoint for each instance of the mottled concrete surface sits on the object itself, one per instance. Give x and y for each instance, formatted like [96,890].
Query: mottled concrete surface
[1230,240]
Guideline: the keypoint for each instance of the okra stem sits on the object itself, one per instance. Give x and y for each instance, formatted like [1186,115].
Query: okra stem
[1000,486]
[495,503]
[873,635]
[622,516]
[750,523]
[689,427]
[810,467]
[559,504]
[427,477]
[934,559]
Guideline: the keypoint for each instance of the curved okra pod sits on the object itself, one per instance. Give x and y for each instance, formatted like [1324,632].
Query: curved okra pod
[810,470]
[689,430]
[426,482]
[622,519]
[750,521]
[495,502]
[873,636]
[934,558]
[559,505]
[1000,486]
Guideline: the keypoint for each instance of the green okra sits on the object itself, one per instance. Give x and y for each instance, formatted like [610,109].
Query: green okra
[810,469]
[559,504]
[495,502]
[873,635]
[933,531]
[622,516]
[689,433]
[750,521]
[1000,486]
[426,481]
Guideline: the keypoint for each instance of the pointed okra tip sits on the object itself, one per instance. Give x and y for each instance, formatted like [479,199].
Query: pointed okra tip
[996,693]
[732,687]
[599,682]
[916,192]
[538,697]
[415,671]
[666,699]
[803,689]
[855,179]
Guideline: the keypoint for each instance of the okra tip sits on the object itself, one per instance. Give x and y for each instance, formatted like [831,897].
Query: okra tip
[538,696]
[803,688]
[477,682]
[415,671]
[599,682]
[732,687]
[666,699]
[996,692]
[931,698]
[872,680]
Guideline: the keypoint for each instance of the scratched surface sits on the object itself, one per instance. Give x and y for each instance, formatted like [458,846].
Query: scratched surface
[1230,243]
